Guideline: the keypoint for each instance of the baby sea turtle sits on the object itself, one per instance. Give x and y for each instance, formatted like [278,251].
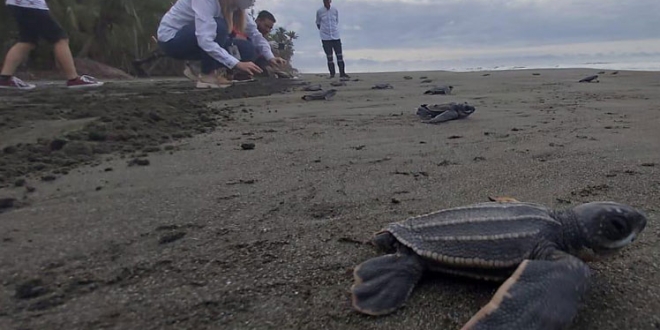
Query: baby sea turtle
[589,79]
[440,90]
[322,95]
[407,77]
[337,83]
[426,81]
[440,113]
[313,88]
[537,253]
[382,86]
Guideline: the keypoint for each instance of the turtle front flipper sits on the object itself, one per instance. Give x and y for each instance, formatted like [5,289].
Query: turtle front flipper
[541,294]
[383,284]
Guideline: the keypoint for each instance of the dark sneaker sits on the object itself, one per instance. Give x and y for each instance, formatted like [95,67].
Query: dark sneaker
[15,83]
[84,81]
[345,76]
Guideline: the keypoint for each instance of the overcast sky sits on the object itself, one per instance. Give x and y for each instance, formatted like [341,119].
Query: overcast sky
[437,34]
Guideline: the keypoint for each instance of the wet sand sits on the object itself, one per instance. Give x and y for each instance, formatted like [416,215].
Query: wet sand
[209,235]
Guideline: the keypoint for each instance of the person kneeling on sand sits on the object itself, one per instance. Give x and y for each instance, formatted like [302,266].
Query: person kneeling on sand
[35,22]
[200,30]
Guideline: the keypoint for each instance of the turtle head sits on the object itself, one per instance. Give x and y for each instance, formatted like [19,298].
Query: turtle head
[606,227]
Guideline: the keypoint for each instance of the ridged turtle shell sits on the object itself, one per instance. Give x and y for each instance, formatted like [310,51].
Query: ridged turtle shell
[485,240]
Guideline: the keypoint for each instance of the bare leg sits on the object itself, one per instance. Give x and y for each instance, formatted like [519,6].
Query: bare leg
[15,56]
[65,59]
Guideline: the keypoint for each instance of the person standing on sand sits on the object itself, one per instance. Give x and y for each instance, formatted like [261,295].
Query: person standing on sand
[200,30]
[327,21]
[35,22]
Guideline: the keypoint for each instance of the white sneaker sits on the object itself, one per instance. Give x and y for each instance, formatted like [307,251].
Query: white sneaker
[189,73]
[84,81]
[213,81]
[16,83]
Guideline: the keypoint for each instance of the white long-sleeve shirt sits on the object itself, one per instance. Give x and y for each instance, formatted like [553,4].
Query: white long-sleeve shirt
[35,4]
[203,14]
[328,20]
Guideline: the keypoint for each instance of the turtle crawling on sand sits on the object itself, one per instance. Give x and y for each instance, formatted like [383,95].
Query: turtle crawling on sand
[590,79]
[321,95]
[440,113]
[538,253]
[382,86]
[313,88]
[442,90]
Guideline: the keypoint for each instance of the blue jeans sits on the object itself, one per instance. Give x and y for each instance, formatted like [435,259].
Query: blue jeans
[184,46]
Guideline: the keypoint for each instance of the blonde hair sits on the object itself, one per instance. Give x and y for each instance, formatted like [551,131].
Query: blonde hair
[236,18]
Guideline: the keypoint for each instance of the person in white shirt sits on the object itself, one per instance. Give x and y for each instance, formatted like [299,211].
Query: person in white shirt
[204,30]
[35,22]
[327,21]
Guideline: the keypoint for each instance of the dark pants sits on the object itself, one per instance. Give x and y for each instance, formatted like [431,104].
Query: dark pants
[328,47]
[184,46]
[35,24]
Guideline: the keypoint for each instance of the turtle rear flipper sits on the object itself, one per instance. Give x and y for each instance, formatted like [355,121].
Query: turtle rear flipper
[383,284]
[443,117]
[541,294]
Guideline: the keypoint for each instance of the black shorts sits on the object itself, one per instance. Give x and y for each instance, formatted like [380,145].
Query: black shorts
[35,24]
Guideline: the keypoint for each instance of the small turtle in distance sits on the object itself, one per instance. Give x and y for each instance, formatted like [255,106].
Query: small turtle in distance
[590,79]
[321,95]
[382,86]
[440,113]
[313,88]
[440,90]
[538,255]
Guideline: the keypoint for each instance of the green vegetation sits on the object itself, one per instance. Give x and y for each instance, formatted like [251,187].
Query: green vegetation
[114,32]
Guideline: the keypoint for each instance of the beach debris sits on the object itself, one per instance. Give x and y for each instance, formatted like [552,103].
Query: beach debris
[48,178]
[321,95]
[338,83]
[7,203]
[139,162]
[439,113]
[590,79]
[382,86]
[171,237]
[247,146]
[442,90]
[313,88]
[407,77]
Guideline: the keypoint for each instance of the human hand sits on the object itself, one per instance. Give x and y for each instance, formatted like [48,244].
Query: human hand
[277,61]
[248,67]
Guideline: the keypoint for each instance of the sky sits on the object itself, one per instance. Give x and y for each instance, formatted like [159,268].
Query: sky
[463,35]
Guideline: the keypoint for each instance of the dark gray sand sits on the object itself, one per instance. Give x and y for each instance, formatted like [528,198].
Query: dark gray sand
[257,223]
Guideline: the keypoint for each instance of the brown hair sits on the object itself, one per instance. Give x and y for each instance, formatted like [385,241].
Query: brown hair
[235,17]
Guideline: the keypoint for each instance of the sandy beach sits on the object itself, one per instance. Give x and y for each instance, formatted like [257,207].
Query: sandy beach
[180,227]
